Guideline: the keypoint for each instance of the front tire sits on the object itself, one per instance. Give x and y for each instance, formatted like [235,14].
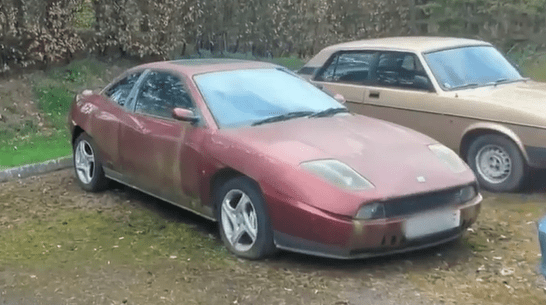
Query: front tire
[244,223]
[497,162]
[87,166]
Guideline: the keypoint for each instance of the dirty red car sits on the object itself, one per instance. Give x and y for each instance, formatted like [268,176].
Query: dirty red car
[277,162]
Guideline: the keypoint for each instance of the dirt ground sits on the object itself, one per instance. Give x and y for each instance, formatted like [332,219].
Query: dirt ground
[61,245]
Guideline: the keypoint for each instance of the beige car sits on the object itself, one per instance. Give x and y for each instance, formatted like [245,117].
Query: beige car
[461,92]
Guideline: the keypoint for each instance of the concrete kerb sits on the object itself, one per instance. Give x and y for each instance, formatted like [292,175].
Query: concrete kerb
[36,169]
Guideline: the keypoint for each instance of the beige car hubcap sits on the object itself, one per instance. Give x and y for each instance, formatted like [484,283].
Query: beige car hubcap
[493,163]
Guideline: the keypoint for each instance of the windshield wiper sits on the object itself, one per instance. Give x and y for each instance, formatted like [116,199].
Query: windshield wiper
[468,85]
[283,117]
[328,112]
[498,81]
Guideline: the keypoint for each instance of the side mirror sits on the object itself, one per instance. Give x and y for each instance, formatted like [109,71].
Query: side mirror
[185,115]
[340,98]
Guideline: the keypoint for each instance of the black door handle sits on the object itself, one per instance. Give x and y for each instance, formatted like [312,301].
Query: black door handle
[374,94]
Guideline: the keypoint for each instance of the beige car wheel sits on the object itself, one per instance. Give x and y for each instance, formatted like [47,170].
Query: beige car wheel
[497,162]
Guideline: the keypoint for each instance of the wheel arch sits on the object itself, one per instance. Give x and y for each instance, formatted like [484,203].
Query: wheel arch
[217,180]
[480,129]
[76,133]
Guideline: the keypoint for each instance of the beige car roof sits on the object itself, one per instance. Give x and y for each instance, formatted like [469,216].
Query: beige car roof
[416,44]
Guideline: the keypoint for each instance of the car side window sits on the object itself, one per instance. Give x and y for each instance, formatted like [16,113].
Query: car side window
[401,70]
[120,91]
[348,67]
[160,93]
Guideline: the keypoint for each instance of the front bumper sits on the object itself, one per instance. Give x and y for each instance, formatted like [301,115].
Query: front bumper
[363,239]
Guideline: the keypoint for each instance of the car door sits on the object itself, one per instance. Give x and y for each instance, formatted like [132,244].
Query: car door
[154,149]
[107,121]
[347,73]
[400,91]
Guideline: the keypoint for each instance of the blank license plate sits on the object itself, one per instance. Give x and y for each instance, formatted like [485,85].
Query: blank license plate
[430,223]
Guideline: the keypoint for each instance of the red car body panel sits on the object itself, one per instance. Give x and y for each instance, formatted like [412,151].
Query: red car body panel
[388,155]
[177,160]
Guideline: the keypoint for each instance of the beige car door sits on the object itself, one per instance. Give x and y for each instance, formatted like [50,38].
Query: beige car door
[400,91]
[347,73]
[395,87]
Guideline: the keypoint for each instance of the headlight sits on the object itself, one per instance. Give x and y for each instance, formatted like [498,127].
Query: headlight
[338,174]
[371,211]
[467,193]
[448,157]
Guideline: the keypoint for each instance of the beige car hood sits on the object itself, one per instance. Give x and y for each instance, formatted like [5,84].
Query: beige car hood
[520,102]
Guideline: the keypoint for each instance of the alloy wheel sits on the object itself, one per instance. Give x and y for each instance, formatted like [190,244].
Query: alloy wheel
[239,220]
[84,158]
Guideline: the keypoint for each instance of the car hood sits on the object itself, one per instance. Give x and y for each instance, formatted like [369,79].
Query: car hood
[522,102]
[388,155]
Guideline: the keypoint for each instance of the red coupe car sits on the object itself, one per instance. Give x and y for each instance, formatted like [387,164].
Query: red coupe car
[277,162]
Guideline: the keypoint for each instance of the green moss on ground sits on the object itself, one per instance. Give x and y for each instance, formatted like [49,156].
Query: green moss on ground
[74,238]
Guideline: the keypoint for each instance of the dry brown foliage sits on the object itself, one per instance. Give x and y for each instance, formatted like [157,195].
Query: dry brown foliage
[40,32]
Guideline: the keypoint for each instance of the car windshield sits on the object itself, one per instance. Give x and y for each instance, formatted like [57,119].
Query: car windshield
[250,97]
[471,67]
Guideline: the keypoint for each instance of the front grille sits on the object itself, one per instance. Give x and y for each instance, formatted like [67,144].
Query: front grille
[414,204]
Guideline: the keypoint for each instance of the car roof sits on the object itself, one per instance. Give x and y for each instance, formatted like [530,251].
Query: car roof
[192,67]
[415,44]
[410,43]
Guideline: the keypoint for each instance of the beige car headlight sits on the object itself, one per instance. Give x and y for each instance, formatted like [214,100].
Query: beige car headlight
[449,158]
[337,173]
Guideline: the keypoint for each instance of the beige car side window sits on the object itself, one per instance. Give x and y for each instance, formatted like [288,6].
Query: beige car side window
[348,67]
[401,70]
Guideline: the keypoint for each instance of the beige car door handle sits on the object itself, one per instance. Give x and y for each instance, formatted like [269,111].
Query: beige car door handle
[374,94]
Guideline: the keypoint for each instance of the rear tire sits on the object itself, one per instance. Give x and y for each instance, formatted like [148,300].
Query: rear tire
[497,162]
[244,223]
[87,166]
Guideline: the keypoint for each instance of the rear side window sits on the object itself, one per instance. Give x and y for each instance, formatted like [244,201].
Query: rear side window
[349,67]
[119,92]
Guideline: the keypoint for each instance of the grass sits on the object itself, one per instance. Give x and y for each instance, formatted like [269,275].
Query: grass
[54,94]
[73,238]
[33,149]
[536,68]
[292,63]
